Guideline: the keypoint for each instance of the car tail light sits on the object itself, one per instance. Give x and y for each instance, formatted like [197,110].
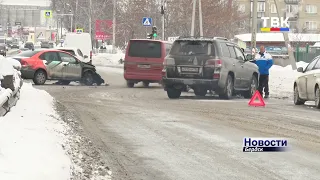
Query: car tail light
[214,62]
[168,62]
[24,63]
[90,55]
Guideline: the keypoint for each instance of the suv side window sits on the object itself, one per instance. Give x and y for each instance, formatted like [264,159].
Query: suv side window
[49,56]
[79,52]
[232,52]
[312,64]
[239,54]
[224,49]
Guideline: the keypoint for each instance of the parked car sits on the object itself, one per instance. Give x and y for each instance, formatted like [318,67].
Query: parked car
[45,44]
[74,51]
[51,64]
[144,61]
[15,45]
[213,64]
[29,45]
[3,50]
[307,86]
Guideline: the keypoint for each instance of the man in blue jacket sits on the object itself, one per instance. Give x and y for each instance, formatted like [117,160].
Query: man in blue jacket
[264,61]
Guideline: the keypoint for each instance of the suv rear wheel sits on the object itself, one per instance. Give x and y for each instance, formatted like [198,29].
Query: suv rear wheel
[227,91]
[130,84]
[173,93]
[252,89]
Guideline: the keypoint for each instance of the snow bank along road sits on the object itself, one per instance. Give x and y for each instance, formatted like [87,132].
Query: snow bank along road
[141,134]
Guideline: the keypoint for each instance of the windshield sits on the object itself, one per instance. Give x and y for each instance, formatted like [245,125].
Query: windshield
[192,48]
[28,53]
[146,49]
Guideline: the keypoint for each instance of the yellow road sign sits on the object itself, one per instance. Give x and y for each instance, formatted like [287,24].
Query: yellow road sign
[48,14]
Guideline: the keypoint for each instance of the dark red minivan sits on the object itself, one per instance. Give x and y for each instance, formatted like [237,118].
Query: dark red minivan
[144,61]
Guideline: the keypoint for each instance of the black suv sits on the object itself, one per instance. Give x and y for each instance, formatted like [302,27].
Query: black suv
[214,64]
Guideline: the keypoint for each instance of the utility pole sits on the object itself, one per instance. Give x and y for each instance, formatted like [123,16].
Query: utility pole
[193,17]
[90,17]
[287,42]
[200,19]
[254,25]
[114,27]
[162,17]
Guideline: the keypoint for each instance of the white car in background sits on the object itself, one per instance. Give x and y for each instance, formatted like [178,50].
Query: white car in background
[307,86]
[74,51]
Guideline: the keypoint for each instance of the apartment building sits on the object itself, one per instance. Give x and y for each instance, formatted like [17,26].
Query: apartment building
[304,15]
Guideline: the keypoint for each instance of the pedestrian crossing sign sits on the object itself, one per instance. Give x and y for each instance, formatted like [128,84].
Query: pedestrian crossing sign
[147,21]
[48,14]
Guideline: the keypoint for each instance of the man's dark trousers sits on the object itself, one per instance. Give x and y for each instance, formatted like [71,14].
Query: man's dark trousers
[264,84]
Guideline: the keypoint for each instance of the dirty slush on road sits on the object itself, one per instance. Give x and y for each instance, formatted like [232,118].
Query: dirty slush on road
[87,159]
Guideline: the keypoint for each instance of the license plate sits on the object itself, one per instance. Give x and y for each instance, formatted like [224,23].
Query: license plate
[189,69]
[144,66]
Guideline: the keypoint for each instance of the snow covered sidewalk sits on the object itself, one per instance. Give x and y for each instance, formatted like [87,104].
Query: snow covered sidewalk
[281,80]
[106,59]
[31,139]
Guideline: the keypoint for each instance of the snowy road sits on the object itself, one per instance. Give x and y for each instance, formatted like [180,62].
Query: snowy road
[144,135]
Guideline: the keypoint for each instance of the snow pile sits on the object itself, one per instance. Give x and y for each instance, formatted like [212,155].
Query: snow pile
[6,67]
[107,59]
[31,139]
[281,80]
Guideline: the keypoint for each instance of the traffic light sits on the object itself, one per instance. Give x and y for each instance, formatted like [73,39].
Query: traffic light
[154,32]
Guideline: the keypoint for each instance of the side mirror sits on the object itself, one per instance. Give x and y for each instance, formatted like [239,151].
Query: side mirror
[300,69]
[85,56]
[249,57]
[242,50]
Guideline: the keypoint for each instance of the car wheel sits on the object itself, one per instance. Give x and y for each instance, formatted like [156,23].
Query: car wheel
[173,93]
[252,89]
[145,84]
[87,78]
[200,91]
[317,93]
[40,77]
[296,99]
[130,84]
[227,91]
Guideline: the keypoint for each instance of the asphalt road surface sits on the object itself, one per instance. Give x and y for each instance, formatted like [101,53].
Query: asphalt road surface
[144,135]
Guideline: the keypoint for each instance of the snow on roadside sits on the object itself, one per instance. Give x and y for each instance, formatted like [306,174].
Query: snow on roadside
[31,139]
[107,59]
[281,80]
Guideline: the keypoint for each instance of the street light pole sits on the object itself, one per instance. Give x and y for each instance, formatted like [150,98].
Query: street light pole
[200,19]
[162,17]
[90,17]
[193,17]
[254,24]
[114,26]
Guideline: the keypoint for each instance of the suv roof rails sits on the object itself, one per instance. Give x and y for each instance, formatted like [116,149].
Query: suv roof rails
[204,37]
[221,38]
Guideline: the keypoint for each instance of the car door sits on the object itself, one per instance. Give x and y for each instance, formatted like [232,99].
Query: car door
[53,64]
[303,79]
[311,79]
[229,59]
[233,59]
[241,70]
[72,69]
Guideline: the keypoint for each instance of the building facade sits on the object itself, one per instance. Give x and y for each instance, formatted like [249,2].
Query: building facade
[303,14]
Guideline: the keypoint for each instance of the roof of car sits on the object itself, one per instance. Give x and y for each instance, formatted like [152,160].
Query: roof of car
[156,40]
